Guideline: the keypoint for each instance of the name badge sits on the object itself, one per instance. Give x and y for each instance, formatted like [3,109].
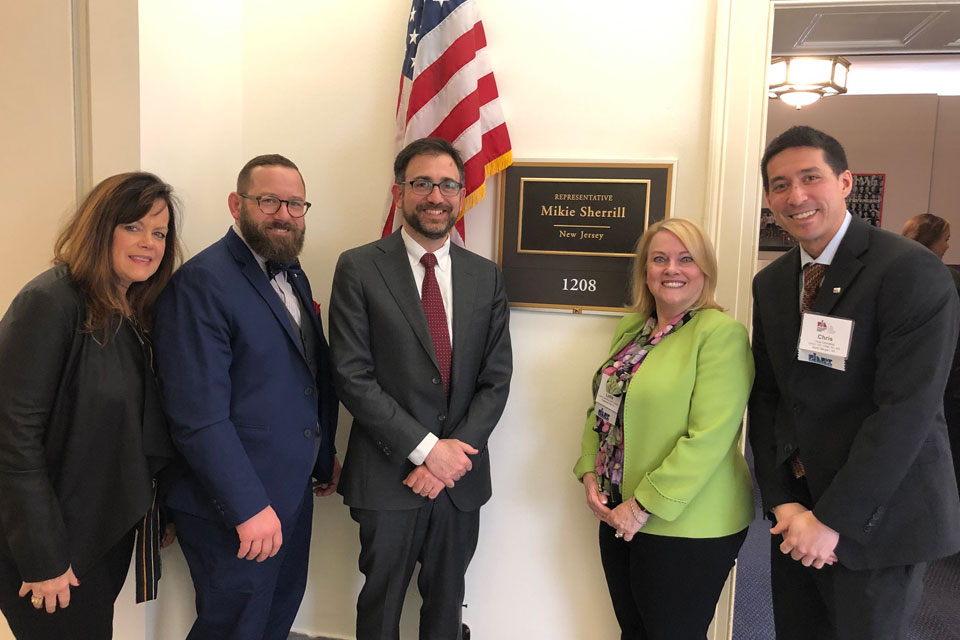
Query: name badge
[825,340]
[606,405]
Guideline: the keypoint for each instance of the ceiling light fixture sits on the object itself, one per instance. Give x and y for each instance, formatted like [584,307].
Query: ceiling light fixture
[803,81]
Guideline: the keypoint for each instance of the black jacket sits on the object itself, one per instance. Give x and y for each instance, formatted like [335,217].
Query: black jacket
[82,432]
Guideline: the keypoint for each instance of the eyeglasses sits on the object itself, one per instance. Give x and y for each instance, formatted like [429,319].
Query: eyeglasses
[423,187]
[271,204]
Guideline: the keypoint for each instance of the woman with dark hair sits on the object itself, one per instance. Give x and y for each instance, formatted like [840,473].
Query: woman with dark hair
[660,458]
[82,434]
[933,232]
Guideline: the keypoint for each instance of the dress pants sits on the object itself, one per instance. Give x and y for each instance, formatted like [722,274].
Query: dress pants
[239,599]
[90,614]
[837,603]
[438,536]
[664,587]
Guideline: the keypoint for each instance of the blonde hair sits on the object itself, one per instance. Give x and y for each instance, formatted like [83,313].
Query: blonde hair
[693,238]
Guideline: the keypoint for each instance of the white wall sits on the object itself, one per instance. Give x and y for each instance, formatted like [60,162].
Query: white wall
[224,81]
[876,75]
[36,137]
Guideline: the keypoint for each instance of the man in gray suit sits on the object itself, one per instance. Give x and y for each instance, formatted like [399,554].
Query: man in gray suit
[420,343]
[847,430]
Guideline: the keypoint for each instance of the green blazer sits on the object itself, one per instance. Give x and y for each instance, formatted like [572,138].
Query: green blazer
[682,418]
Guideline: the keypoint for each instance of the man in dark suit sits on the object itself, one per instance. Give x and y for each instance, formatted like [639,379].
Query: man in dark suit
[420,341]
[244,368]
[849,438]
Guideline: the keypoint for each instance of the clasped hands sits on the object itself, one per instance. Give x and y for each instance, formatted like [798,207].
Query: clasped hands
[623,518]
[446,463]
[805,538]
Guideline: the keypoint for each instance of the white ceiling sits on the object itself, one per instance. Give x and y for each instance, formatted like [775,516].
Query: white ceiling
[867,29]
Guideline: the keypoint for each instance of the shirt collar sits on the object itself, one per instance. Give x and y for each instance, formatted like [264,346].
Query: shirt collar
[415,251]
[826,257]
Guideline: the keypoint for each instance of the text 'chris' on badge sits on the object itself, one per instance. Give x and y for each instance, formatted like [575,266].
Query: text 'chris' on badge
[825,340]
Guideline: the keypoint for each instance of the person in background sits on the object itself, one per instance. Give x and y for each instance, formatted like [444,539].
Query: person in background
[933,232]
[660,457]
[82,432]
[245,375]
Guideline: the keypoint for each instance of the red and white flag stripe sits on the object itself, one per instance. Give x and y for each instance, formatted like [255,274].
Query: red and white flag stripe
[453,95]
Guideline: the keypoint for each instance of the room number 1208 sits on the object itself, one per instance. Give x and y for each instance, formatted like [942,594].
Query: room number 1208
[579,284]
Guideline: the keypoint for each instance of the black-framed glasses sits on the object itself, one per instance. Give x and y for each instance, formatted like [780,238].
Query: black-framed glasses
[271,204]
[423,187]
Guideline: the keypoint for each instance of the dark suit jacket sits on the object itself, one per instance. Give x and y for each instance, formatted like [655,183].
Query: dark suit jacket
[82,432]
[244,408]
[872,438]
[387,374]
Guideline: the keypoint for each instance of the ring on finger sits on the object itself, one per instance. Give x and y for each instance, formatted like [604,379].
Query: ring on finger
[36,600]
[618,534]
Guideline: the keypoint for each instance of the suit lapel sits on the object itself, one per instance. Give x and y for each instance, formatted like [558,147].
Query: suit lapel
[301,287]
[394,268]
[251,270]
[464,294]
[785,299]
[843,269]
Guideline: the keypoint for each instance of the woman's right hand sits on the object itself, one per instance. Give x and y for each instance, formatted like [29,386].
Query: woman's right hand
[47,593]
[595,500]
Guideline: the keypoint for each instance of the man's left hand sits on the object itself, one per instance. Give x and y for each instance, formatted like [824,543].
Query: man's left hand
[810,541]
[324,489]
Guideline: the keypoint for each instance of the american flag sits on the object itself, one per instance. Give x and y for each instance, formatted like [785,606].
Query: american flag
[447,90]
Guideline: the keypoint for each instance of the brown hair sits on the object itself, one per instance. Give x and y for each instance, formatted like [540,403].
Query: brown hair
[425,147]
[85,246]
[267,160]
[693,238]
[925,228]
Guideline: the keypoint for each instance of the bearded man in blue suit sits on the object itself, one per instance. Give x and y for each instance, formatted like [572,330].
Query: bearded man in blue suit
[244,368]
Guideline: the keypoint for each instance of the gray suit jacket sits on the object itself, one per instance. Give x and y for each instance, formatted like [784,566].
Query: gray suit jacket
[387,375]
[872,438]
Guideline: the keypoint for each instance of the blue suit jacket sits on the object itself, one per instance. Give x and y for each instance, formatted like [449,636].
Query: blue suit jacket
[244,409]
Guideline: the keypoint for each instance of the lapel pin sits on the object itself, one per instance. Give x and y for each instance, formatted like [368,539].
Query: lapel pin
[836,289]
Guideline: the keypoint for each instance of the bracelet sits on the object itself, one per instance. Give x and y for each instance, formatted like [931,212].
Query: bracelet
[636,514]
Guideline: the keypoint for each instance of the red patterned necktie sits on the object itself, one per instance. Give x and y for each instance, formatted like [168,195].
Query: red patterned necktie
[812,277]
[436,318]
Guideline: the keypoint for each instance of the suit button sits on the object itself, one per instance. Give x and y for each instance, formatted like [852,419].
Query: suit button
[435,380]
[307,433]
[788,447]
[308,391]
[442,417]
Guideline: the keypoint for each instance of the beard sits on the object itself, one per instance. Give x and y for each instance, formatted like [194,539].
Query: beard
[434,230]
[270,247]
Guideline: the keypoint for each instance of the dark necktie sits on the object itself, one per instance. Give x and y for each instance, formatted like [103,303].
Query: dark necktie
[436,318]
[812,277]
[273,268]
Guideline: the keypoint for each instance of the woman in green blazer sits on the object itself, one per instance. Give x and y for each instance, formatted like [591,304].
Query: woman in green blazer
[660,458]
